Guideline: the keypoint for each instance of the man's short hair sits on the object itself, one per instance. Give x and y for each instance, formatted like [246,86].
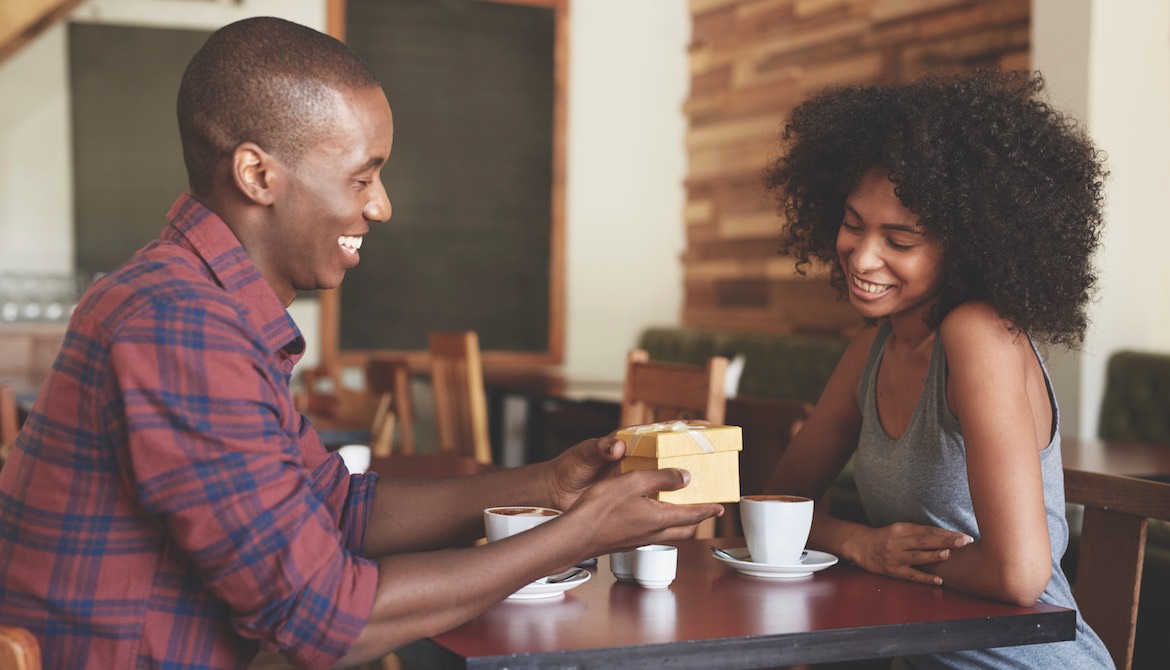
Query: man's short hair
[264,80]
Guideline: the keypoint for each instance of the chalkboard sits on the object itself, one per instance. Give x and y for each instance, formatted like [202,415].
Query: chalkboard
[473,243]
[128,161]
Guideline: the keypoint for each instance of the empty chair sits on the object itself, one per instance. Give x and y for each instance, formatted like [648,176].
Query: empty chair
[657,391]
[769,424]
[388,380]
[19,650]
[460,401]
[1112,549]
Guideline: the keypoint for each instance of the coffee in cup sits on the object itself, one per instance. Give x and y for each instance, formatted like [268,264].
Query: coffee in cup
[776,527]
[500,522]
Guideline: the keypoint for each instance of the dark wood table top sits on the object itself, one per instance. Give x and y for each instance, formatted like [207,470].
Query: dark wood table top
[714,617]
[553,385]
[1115,457]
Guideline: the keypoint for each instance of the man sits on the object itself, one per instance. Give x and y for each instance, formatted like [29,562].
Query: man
[166,505]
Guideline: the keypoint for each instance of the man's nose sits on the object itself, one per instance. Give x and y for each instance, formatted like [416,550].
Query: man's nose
[378,208]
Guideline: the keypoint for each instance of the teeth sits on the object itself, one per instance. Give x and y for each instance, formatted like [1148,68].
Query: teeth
[867,286]
[351,243]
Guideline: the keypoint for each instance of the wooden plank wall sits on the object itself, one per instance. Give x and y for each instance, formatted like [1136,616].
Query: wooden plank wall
[751,62]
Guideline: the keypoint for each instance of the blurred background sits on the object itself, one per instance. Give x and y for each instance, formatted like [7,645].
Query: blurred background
[669,111]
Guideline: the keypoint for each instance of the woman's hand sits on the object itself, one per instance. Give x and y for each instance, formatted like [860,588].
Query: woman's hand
[897,549]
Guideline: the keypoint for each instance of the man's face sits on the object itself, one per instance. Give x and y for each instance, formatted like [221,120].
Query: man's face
[331,196]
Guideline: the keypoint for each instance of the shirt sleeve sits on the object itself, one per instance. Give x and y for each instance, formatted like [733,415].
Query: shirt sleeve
[349,498]
[215,452]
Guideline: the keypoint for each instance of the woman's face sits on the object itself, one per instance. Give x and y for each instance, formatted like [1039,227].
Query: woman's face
[892,265]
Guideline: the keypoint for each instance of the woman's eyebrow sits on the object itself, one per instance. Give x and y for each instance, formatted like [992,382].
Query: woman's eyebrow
[914,228]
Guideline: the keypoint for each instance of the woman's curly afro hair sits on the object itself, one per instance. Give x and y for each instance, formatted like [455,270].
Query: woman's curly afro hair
[1012,188]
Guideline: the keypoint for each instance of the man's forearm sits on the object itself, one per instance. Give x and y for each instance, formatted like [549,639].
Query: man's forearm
[428,514]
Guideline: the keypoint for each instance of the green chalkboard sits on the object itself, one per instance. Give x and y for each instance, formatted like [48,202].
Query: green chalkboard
[470,246]
[128,162]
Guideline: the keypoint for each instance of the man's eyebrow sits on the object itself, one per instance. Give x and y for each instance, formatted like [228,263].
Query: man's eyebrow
[373,162]
[897,227]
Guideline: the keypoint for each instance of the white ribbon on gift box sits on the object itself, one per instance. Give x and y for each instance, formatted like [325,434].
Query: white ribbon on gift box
[691,432]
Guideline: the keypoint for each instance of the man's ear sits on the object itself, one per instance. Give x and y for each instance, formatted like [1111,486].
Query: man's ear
[254,172]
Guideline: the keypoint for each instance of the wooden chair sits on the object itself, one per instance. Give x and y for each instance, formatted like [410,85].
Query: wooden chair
[1112,549]
[389,381]
[769,424]
[657,391]
[19,649]
[9,421]
[459,396]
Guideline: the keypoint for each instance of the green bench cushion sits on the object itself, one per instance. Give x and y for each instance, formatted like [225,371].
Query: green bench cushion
[776,365]
[1136,405]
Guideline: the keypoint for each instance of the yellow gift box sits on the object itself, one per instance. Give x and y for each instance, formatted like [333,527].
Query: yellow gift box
[709,453]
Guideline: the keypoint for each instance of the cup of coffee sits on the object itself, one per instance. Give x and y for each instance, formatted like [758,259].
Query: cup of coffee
[776,527]
[500,522]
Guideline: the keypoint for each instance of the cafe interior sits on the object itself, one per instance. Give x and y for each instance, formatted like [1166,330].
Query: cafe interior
[581,240]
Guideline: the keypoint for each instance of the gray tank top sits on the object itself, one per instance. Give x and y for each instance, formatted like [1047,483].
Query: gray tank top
[922,478]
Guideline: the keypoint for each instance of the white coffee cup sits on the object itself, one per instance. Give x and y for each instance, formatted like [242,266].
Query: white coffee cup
[356,457]
[655,565]
[621,564]
[501,522]
[776,527]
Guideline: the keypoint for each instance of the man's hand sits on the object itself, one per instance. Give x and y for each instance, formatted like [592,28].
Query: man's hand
[619,513]
[581,466]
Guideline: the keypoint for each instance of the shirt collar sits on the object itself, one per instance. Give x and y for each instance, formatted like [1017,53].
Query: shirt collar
[195,227]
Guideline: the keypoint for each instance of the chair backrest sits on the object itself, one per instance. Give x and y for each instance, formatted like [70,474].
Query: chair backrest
[19,649]
[389,381]
[460,401]
[659,391]
[1112,549]
[9,420]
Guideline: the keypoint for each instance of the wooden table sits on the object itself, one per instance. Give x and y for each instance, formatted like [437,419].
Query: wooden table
[580,407]
[1115,457]
[713,617]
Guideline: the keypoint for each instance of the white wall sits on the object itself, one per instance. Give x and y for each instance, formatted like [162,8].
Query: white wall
[1109,65]
[628,78]
[36,176]
[626,160]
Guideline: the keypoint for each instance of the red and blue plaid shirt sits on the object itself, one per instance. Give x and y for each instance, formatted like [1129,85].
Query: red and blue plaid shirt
[165,505]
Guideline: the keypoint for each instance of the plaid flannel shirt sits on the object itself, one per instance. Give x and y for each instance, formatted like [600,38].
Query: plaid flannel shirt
[165,505]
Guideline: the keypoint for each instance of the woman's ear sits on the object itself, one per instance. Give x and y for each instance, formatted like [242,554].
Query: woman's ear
[254,172]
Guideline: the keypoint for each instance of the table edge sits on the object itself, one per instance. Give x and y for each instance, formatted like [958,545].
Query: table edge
[1058,625]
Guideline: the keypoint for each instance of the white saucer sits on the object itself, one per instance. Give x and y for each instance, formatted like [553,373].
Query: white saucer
[538,591]
[810,562]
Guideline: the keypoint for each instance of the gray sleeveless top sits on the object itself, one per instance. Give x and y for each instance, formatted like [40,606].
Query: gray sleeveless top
[922,478]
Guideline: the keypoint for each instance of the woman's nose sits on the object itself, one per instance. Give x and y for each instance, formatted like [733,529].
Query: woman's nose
[867,254]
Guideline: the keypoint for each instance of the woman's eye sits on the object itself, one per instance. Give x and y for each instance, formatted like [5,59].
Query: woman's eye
[850,227]
[900,247]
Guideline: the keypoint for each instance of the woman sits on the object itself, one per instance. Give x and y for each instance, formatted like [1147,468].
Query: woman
[958,214]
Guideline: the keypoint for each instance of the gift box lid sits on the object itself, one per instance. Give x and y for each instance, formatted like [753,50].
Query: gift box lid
[678,438]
